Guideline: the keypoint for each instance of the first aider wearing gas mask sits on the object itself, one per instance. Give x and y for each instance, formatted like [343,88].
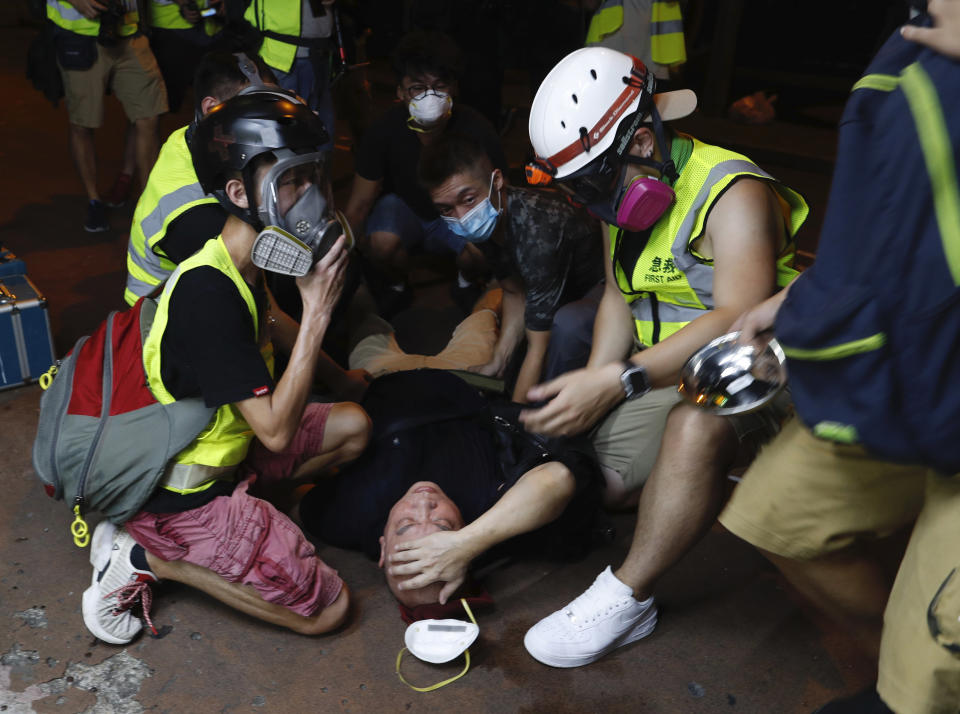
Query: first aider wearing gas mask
[696,235]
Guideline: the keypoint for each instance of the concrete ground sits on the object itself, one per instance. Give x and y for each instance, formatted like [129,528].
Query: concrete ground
[732,638]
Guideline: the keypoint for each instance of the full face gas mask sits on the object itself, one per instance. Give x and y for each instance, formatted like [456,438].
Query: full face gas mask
[300,223]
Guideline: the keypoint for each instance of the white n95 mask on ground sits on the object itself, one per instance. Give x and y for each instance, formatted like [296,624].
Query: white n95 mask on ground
[439,641]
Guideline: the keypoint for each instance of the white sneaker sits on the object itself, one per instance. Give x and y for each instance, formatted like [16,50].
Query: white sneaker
[115,587]
[603,618]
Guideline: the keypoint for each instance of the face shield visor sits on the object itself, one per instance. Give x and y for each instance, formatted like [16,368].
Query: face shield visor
[299,218]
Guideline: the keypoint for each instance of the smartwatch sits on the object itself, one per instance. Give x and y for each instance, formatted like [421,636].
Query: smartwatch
[634,380]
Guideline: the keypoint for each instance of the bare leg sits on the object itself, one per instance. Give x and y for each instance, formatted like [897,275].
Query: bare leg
[682,497]
[851,587]
[129,150]
[147,147]
[388,254]
[246,599]
[345,436]
[84,155]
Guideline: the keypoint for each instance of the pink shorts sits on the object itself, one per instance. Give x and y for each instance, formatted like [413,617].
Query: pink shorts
[244,539]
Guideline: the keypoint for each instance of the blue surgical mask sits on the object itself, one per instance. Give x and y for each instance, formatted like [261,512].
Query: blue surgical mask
[478,223]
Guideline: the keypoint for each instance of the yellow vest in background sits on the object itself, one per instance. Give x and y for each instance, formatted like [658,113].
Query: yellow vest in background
[282,17]
[171,189]
[66,16]
[666,33]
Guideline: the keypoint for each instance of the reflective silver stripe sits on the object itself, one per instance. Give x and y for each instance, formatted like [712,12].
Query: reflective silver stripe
[149,262]
[139,287]
[153,223]
[66,11]
[181,477]
[666,27]
[700,276]
[642,310]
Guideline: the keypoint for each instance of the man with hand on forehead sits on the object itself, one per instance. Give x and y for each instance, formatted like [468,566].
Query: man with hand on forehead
[696,235]
[467,483]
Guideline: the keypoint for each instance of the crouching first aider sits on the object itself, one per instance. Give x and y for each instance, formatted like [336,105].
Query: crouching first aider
[212,338]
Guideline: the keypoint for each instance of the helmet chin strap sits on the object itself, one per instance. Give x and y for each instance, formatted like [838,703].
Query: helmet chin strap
[666,168]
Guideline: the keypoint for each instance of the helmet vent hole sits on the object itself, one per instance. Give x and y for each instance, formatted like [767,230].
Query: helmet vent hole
[563,124]
[593,73]
[575,100]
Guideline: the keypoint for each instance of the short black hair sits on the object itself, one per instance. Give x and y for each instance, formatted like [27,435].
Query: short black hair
[427,52]
[451,154]
[218,75]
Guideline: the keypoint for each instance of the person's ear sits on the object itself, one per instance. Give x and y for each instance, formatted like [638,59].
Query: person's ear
[498,180]
[382,545]
[237,193]
[644,142]
[208,103]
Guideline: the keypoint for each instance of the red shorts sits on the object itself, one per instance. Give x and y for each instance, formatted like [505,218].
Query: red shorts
[244,539]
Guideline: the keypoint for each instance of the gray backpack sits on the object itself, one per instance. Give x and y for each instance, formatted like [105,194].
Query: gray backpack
[103,440]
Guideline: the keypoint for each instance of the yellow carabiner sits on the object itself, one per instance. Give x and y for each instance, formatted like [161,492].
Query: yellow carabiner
[79,529]
[46,379]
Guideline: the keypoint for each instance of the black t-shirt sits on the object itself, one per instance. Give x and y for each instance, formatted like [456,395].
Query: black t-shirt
[475,458]
[552,246]
[209,348]
[187,233]
[390,151]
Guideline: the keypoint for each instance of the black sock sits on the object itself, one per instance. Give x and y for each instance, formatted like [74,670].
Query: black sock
[138,558]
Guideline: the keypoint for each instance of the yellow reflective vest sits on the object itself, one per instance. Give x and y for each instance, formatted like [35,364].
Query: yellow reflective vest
[171,189]
[225,440]
[669,285]
[665,25]
[66,16]
[165,14]
[282,18]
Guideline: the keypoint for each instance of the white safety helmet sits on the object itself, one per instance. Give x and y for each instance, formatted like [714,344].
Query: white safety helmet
[580,103]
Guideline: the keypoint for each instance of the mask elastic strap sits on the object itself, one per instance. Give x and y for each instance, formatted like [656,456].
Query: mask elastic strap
[412,125]
[466,666]
[493,175]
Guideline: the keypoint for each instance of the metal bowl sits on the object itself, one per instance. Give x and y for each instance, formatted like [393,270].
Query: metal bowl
[728,377]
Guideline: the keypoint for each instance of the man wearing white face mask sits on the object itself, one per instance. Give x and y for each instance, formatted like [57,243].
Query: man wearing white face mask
[543,252]
[389,211]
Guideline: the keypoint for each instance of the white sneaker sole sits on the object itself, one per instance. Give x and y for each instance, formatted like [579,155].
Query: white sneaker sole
[100,549]
[644,627]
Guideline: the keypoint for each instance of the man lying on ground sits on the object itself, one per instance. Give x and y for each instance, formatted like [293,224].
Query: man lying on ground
[447,477]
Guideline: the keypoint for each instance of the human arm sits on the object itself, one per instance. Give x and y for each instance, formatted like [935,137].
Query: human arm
[759,318]
[511,329]
[532,367]
[537,498]
[363,194]
[743,233]
[944,36]
[275,417]
[577,403]
[90,9]
[347,385]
